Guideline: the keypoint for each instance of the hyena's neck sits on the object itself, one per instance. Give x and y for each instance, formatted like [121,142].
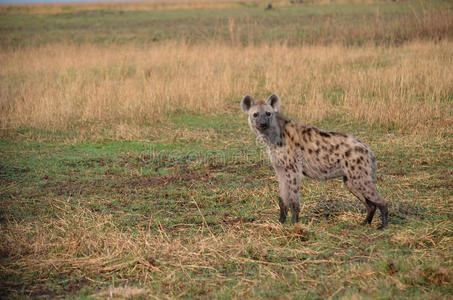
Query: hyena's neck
[274,135]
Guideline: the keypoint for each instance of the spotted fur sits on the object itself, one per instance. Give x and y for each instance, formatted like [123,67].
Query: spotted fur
[297,150]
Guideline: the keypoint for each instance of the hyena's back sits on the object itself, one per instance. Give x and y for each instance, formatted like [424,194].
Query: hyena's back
[325,155]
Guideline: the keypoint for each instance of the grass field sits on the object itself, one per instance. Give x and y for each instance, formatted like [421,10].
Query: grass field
[128,171]
[238,23]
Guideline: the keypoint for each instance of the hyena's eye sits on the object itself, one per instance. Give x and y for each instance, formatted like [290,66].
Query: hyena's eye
[255,115]
[268,113]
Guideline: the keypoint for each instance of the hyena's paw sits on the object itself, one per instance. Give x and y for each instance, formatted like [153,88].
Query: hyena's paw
[282,218]
[384,217]
[381,227]
[283,214]
[365,222]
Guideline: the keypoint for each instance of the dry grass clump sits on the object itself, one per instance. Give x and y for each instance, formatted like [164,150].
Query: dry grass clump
[438,235]
[64,86]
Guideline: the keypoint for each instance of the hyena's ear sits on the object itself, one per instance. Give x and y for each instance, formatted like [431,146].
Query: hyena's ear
[274,101]
[246,103]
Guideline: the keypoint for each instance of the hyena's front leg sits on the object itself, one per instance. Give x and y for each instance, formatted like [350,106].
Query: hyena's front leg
[294,197]
[294,203]
[283,198]
[283,209]
[289,194]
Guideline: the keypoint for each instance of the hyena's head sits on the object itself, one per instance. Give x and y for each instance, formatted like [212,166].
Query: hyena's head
[261,113]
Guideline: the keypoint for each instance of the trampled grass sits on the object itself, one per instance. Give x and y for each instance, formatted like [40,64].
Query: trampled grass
[127,170]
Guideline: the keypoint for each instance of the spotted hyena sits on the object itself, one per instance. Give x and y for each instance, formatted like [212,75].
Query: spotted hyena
[297,150]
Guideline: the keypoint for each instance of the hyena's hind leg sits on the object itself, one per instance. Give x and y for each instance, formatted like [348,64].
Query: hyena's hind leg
[370,207]
[369,196]
[373,196]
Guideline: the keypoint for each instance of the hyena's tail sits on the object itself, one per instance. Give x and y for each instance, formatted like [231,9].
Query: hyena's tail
[373,167]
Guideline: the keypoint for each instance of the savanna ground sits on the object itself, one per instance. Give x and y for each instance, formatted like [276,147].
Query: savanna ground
[127,169]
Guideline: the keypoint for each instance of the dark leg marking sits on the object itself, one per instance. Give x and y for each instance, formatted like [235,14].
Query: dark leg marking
[283,210]
[371,209]
[384,216]
[295,209]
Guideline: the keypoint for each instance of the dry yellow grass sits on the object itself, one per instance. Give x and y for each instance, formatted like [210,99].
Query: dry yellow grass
[91,245]
[62,86]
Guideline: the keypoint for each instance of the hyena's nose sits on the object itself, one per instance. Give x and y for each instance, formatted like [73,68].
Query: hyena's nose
[263,125]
